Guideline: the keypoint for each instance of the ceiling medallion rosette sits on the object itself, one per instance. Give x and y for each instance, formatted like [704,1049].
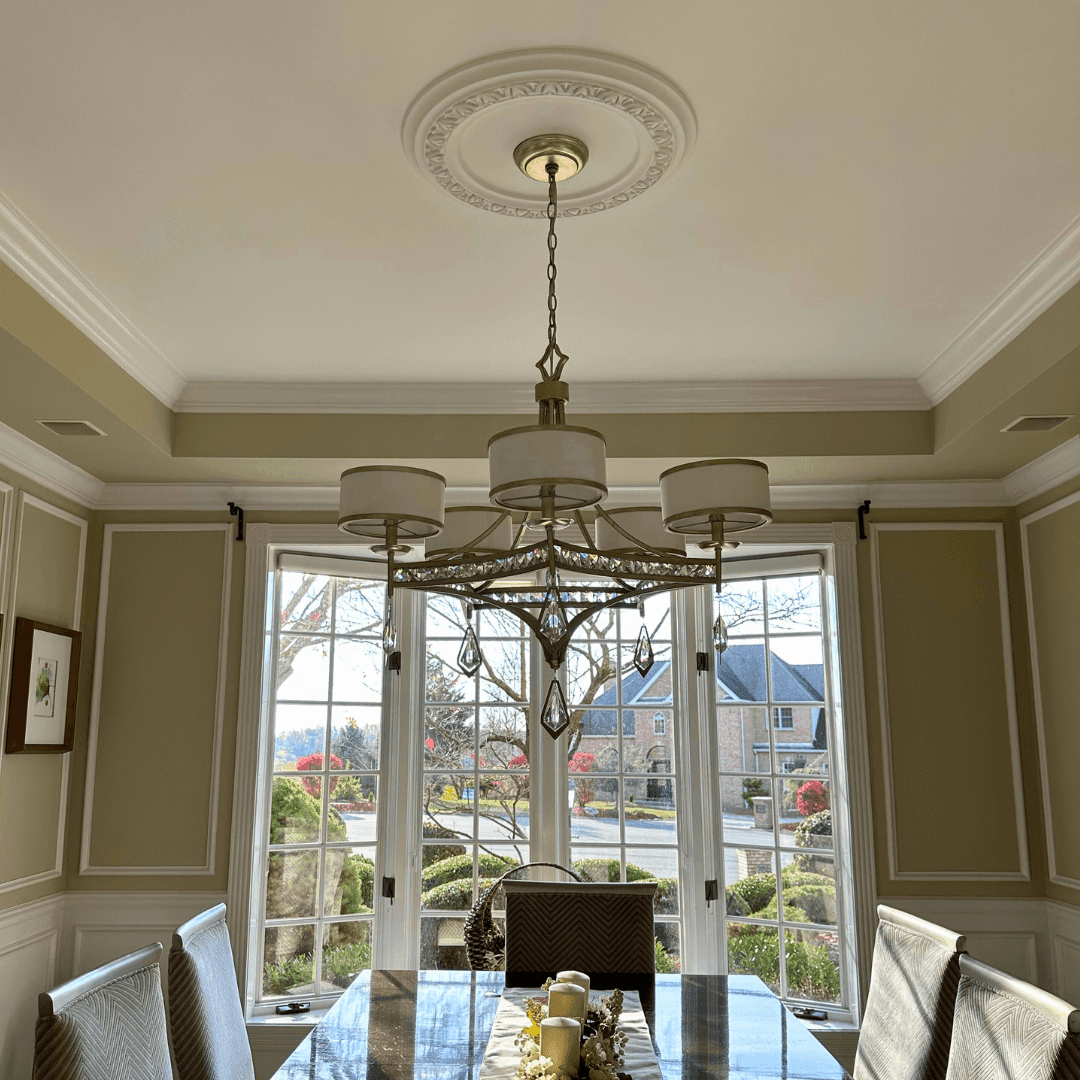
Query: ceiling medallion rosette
[455,131]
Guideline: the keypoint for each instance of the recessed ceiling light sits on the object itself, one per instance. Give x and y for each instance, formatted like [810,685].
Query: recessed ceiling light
[71,427]
[1037,423]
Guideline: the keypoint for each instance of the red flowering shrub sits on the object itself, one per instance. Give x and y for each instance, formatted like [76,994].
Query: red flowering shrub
[582,762]
[812,797]
[312,784]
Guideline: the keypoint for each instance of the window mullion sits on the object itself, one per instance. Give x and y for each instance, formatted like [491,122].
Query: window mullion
[695,753]
[549,831]
[397,923]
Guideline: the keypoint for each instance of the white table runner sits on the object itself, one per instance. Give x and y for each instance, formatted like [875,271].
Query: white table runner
[502,1057]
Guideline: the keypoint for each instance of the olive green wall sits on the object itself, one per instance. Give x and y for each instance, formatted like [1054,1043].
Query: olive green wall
[1052,565]
[952,743]
[948,704]
[42,554]
[157,702]
[158,736]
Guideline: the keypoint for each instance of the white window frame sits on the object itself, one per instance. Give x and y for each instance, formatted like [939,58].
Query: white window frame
[702,946]
[660,719]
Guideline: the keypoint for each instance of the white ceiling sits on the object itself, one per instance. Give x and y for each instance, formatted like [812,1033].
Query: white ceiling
[867,179]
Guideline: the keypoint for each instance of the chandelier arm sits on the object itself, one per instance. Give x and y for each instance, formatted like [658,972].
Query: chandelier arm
[476,540]
[585,532]
[665,556]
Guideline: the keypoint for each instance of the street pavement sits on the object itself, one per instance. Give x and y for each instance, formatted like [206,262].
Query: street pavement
[587,829]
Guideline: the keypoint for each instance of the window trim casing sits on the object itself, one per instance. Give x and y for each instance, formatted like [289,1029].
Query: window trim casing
[837,540]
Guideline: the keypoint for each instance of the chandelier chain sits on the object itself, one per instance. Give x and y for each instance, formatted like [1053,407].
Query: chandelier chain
[554,372]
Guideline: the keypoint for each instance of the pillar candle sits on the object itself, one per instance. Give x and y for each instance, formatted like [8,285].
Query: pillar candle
[567,999]
[579,978]
[560,1040]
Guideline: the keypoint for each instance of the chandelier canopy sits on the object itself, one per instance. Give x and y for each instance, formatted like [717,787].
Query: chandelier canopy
[542,476]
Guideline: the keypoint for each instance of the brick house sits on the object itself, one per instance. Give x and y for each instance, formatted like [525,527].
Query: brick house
[799,730]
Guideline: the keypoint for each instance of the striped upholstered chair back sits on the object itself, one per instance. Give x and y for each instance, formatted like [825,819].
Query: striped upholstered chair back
[604,929]
[909,1012]
[105,1024]
[209,1036]
[1005,1027]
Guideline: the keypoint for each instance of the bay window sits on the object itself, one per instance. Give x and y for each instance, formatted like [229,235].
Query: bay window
[389,800]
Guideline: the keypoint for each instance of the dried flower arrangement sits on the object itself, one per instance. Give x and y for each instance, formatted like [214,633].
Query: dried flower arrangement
[602,1041]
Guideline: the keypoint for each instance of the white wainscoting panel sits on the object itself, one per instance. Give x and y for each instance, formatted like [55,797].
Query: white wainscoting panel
[1030,939]
[1064,927]
[100,926]
[29,954]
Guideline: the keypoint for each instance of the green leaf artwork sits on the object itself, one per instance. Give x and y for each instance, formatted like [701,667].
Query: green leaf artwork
[44,688]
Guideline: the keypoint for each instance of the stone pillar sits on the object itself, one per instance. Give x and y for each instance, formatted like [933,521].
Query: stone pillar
[752,862]
[762,812]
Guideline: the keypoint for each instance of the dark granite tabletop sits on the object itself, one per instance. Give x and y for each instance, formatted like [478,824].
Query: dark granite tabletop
[434,1025]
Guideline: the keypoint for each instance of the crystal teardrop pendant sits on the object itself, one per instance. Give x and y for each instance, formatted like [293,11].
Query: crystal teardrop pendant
[719,634]
[552,617]
[469,657]
[555,716]
[389,635]
[643,654]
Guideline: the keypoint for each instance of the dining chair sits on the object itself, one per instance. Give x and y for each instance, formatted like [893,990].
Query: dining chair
[107,1023]
[1006,1028]
[908,1021]
[206,1021]
[602,928]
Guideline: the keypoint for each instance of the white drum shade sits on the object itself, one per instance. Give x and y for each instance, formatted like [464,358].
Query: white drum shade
[373,497]
[736,489]
[642,522]
[465,523]
[568,461]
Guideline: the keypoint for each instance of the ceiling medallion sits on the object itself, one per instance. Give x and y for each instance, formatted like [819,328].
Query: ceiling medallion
[458,131]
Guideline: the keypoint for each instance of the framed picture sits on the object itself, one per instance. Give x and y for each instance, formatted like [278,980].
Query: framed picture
[44,689]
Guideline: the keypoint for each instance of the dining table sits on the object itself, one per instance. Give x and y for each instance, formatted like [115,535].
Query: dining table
[434,1025]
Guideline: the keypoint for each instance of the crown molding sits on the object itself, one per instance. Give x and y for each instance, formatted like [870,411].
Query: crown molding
[1053,272]
[757,395]
[42,266]
[1036,477]
[51,471]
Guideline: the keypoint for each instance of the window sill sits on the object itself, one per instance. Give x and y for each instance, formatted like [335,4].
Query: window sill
[288,1021]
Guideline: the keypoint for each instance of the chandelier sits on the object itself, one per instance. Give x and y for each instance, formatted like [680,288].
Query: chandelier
[542,476]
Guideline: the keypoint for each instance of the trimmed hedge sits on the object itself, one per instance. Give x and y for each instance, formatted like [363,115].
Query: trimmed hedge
[755,891]
[456,895]
[602,869]
[460,866]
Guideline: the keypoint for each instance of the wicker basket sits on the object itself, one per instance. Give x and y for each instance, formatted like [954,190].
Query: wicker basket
[485,944]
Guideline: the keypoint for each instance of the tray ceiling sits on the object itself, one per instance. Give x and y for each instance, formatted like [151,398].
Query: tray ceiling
[228,184]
